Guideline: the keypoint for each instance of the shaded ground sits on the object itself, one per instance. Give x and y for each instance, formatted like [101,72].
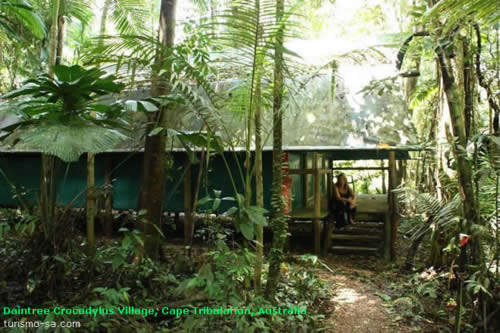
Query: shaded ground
[354,301]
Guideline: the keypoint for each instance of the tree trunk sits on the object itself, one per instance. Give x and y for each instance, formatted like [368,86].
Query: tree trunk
[278,223]
[104,18]
[108,201]
[188,204]
[153,184]
[91,199]
[53,35]
[259,186]
[482,82]
[468,89]
[91,205]
[60,38]
[458,125]
[47,197]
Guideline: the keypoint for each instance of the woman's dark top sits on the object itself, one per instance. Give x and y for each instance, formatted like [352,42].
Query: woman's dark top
[345,195]
[339,208]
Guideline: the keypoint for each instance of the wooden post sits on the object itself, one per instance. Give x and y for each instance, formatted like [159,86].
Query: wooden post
[317,206]
[329,183]
[387,235]
[188,218]
[108,202]
[329,221]
[393,205]
[384,187]
[303,162]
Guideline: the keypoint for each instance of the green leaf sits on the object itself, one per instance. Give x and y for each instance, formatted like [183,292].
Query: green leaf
[131,106]
[206,272]
[204,200]
[256,215]
[230,212]
[148,106]
[60,259]
[156,131]
[247,230]
[216,204]
[385,297]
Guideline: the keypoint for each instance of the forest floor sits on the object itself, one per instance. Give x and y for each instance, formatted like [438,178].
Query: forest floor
[360,299]
[357,306]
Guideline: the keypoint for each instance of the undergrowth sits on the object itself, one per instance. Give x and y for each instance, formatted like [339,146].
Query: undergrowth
[117,277]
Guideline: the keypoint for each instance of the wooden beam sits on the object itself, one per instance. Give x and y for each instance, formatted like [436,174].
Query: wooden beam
[317,207]
[308,171]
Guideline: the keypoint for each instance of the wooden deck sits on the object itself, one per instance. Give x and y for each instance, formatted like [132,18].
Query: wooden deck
[316,173]
[369,234]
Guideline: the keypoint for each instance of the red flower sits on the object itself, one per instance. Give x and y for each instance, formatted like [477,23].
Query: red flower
[463,239]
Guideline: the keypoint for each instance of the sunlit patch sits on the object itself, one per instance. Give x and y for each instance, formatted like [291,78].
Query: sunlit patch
[348,295]
[310,118]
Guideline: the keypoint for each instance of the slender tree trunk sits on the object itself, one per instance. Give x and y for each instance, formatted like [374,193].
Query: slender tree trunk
[53,35]
[468,89]
[47,168]
[153,185]
[104,18]
[259,185]
[91,205]
[188,204]
[458,125]
[278,223]
[60,38]
[482,82]
[108,201]
[91,198]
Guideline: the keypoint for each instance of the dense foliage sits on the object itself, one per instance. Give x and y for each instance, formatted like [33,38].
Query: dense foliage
[83,77]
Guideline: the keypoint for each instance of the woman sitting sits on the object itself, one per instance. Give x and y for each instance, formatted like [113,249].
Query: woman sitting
[344,202]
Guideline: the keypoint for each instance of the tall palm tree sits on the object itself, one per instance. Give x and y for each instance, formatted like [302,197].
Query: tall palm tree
[15,12]
[278,222]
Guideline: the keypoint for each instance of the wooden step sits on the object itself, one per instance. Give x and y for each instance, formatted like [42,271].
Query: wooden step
[363,224]
[357,231]
[362,216]
[351,237]
[344,248]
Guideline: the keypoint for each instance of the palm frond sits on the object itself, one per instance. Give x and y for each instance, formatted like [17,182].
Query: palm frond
[81,10]
[20,11]
[129,16]
[69,141]
[453,11]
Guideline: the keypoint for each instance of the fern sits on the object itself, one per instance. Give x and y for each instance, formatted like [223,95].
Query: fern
[445,215]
